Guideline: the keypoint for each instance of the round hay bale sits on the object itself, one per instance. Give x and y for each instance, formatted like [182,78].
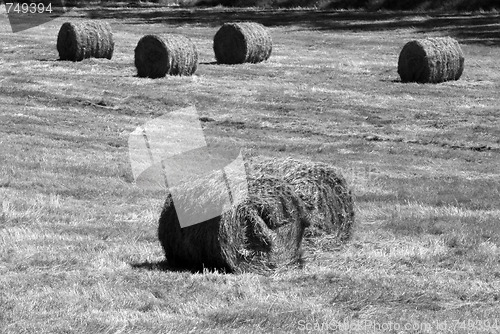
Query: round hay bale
[80,40]
[259,234]
[243,42]
[171,54]
[328,200]
[431,60]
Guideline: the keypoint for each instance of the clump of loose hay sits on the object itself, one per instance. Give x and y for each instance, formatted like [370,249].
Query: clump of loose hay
[171,54]
[431,60]
[80,40]
[243,42]
[328,200]
[258,234]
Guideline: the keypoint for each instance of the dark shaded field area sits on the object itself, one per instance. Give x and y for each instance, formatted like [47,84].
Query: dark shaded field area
[480,28]
[370,5]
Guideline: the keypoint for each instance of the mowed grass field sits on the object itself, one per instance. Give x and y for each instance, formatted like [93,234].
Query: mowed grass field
[78,245]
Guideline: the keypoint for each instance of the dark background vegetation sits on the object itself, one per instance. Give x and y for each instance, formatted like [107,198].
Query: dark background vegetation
[463,5]
[371,5]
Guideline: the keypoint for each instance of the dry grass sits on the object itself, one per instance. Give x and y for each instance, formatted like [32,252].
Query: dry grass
[80,40]
[431,60]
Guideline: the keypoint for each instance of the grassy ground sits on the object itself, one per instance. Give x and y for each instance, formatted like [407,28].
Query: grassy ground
[78,247]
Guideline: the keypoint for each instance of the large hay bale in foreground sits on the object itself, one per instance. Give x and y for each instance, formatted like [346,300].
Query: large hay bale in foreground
[243,42]
[259,234]
[431,60]
[171,54]
[328,200]
[80,40]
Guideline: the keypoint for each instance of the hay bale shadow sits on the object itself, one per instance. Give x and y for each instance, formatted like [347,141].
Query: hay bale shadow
[165,266]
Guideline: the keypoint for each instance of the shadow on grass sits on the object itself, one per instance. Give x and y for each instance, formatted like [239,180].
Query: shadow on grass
[164,266]
[473,28]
